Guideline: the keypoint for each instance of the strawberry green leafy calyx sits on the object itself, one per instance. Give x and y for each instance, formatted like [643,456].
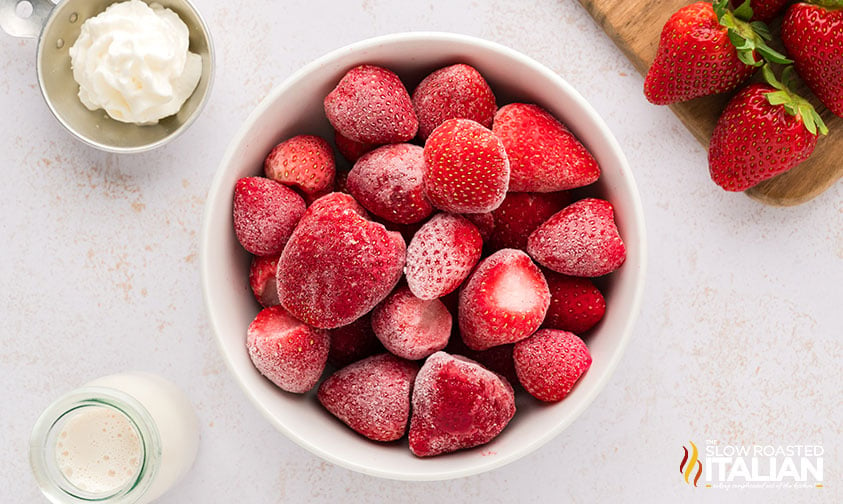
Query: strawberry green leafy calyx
[828,4]
[749,38]
[793,104]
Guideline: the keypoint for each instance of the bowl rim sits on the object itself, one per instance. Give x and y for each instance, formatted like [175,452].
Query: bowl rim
[636,226]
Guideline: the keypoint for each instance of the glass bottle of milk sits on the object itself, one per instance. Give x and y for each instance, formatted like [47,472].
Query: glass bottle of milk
[124,438]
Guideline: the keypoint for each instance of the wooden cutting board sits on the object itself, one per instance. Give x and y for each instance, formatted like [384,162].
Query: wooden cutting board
[635,26]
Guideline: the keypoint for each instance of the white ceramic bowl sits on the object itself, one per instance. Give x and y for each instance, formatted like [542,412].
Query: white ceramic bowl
[295,107]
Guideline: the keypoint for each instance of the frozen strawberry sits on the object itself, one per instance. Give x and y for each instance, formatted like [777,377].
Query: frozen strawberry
[337,266]
[333,205]
[576,305]
[288,352]
[579,240]
[503,301]
[265,214]
[371,105]
[372,396]
[457,404]
[353,342]
[407,230]
[305,162]
[262,279]
[543,155]
[351,150]
[466,169]
[497,359]
[454,92]
[388,182]
[410,327]
[485,223]
[550,362]
[520,214]
[441,255]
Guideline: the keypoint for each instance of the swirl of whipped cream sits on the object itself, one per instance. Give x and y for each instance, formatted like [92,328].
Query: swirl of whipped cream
[132,60]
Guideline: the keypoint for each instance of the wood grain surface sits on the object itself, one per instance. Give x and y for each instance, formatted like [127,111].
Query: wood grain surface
[635,26]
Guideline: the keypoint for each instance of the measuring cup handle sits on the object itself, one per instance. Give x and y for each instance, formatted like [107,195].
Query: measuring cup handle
[29,26]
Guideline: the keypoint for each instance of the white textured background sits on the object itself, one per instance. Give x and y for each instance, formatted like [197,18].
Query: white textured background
[739,338]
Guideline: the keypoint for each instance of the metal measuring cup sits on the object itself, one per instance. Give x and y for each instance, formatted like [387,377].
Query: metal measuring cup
[57,27]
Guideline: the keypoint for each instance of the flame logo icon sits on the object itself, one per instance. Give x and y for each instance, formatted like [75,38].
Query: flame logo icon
[687,465]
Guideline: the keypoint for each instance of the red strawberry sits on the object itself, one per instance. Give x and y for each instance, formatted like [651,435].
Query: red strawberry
[353,342]
[371,105]
[337,266]
[543,155]
[410,327]
[441,254]
[550,362]
[765,130]
[265,214]
[763,10]
[503,301]
[576,305]
[262,279]
[454,92]
[520,214]
[465,168]
[580,240]
[289,353]
[350,149]
[388,182]
[372,396]
[813,36]
[305,162]
[457,404]
[696,56]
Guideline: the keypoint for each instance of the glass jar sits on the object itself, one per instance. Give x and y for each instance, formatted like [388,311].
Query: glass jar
[120,439]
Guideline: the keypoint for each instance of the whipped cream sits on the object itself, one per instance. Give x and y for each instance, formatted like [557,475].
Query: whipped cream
[132,60]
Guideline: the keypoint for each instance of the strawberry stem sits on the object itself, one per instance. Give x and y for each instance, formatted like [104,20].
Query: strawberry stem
[793,104]
[748,38]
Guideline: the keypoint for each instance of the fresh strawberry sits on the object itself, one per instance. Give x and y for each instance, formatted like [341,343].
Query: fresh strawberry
[520,214]
[706,49]
[457,404]
[550,362]
[766,129]
[576,305]
[409,327]
[543,155]
[290,353]
[441,254]
[351,150]
[372,396]
[454,92]
[337,266]
[305,162]
[763,10]
[579,240]
[262,279]
[265,214]
[503,301]
[813,36]
[353,342]
[371,105]
[466,169]
[388,182]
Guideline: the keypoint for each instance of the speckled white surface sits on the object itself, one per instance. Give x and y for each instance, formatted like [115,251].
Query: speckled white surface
[739,338]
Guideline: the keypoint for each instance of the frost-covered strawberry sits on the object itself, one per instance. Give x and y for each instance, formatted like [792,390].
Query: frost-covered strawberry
[520,214]
[576,305]
[353,342]
[543,155]
[454,92]
[305,162]
[371,105]
[372,396]
[388,182]
[457,404]
[579,240]
[410,327]
[441,254]
[262,279]
[351,150]
[337,266]
[290,353]
[550,362]
[265,214]
[503,301]
[466,169]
